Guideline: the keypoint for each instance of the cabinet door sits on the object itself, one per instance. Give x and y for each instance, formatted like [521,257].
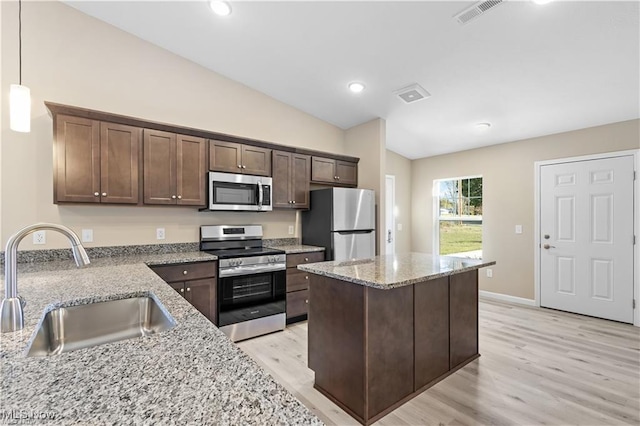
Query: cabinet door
[225,156]
[119,163]
[159,167]
[256,161]
[191,173]
[297,303]
[202,295]
[77,160]
[323,170]
[300,177]
[347,173]
[281,196]
[463,317]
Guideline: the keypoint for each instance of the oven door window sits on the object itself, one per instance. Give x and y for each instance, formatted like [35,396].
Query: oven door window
[248,289]
[240,194]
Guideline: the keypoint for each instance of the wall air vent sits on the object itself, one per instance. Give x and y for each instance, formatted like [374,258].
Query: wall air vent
[476,10]
[412,93]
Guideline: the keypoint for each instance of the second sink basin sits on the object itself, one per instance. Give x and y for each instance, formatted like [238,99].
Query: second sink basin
[82,326]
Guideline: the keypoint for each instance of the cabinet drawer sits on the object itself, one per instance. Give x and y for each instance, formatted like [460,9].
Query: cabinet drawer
[294,260]
[297,280]
[186,271]
[297,303]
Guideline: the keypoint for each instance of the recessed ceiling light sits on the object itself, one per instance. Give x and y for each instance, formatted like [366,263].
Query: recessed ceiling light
[356,87]
[483,126]
[542,1]
[220,8]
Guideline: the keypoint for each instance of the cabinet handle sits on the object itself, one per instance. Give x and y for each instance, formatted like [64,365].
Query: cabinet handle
[173,197]
[104,194]
[179,197]
[97,194]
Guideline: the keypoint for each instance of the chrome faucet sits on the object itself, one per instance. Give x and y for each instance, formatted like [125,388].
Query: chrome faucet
[11,309]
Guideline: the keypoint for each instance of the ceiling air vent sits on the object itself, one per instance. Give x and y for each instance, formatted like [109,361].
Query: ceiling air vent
[412,93]
[476,10]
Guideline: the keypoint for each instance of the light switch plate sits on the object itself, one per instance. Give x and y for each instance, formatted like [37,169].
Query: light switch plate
[159,233]
[40,237]
[399,227]
[518,229]
[87,235]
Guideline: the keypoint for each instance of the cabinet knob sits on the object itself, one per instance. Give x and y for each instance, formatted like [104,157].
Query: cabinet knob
[335,177]
[294,201]
[306,301]
[179,197]
[338,177]
[104,194]
[182,290]
[289,201]
[97,194]
[173,197]
[306,277]
[244,167]
[306,259]
[184,272]
[188,288]
[239,166]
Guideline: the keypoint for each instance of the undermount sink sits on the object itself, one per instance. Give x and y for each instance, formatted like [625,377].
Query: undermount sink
[76,327]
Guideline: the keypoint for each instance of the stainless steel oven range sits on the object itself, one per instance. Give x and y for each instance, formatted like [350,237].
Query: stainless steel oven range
[251,291]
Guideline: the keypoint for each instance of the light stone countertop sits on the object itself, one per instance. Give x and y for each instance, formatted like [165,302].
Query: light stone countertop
[190,374]
[392,271]
[297,248]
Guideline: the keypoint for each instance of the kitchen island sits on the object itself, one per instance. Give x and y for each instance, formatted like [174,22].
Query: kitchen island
[190,374]
[383,330]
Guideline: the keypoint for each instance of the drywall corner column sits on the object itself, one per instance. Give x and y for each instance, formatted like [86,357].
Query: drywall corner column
[368,142]
[400,167]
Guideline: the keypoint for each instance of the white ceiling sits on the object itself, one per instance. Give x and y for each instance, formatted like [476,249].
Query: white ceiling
[530,70]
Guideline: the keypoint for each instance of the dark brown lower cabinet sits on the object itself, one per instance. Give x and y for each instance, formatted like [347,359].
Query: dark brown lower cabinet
[372,350]
[298,284]
[196,282]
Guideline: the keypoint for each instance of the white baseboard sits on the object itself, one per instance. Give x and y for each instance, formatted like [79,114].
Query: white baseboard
[507,298]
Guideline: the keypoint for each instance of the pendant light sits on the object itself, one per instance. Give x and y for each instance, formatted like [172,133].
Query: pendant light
[19,95]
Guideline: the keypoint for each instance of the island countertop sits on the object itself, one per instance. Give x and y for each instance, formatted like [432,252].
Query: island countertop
[392,271]
[190,374]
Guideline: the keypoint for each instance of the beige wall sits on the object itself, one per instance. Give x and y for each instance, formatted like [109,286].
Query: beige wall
[508,192]
[400,167]
[71,58]
[367,141]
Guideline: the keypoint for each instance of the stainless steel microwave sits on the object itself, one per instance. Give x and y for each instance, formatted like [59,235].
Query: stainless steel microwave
[228,191]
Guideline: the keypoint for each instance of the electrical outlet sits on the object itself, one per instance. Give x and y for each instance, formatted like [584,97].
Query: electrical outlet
[39,237]
[290,229]
[87,235]
[489,273]
[518,229]
[160,234]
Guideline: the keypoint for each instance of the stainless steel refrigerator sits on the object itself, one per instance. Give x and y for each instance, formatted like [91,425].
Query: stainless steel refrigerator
[343,221]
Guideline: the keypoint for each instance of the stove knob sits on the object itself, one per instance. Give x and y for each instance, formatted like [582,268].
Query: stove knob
[239,262]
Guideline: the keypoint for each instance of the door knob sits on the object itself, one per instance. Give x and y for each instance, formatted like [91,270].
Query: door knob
[547,246]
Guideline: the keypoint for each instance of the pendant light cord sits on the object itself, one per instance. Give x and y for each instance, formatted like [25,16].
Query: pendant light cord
[20,40]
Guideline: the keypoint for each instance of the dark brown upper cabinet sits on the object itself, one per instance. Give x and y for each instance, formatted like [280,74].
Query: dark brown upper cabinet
[95,162]
[233,157]
[291,175]
[334,172]
[174,169]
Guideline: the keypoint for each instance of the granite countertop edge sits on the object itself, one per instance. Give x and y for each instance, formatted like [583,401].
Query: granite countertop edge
[297,248]
[370,277]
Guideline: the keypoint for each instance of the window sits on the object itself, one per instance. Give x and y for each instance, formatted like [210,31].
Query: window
[459,217]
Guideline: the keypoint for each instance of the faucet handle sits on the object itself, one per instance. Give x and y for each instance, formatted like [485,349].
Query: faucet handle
[22,301]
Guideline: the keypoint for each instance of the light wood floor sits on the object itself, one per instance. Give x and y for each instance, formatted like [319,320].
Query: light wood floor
[538,366]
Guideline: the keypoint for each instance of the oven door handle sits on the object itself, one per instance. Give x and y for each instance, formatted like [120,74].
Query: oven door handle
[251,271]
[260,195]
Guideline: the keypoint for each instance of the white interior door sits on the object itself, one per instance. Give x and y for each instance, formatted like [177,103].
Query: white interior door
[586,227]
[390,203]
